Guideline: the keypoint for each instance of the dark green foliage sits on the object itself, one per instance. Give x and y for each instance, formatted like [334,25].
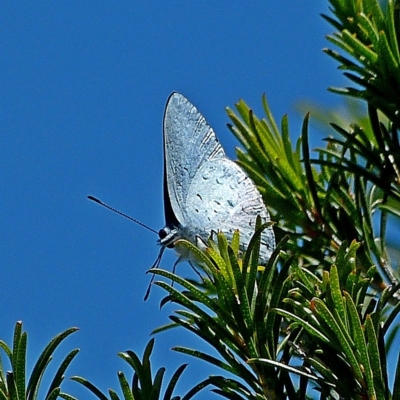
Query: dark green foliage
[370,36]
[13,384]
[234,320]
[323,207]
[327,330]
[143,386]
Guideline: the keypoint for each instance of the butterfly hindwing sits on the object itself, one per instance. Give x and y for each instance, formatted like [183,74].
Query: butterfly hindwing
[222,197]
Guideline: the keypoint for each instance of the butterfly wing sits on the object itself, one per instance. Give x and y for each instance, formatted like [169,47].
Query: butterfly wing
[222,197]
[189,142]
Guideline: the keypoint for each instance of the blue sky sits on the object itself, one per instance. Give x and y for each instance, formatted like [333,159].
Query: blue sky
[83,89]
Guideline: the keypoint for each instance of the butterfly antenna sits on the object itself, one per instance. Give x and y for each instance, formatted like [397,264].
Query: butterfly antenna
[121,213]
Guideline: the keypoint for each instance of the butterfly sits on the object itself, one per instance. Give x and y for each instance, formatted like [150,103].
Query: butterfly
[205,191]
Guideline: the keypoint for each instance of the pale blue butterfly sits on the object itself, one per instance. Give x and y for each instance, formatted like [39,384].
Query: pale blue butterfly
[205,191]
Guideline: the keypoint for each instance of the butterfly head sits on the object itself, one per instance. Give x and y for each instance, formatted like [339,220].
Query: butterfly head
[168,236]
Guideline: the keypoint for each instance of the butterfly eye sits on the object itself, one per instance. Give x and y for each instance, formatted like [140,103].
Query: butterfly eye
[162,233]
[166,233]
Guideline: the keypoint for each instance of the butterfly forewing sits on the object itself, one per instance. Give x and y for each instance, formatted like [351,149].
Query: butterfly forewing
[189,142]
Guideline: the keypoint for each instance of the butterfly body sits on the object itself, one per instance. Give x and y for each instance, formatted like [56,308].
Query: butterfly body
[205,191]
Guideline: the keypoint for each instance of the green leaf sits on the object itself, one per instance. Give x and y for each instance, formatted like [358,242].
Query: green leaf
[128,395]
[336,295]
[59,376]
[374,356]
[19,359]
[307,326]
[92,388]
[360,343]
[174,380]
[341,335]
